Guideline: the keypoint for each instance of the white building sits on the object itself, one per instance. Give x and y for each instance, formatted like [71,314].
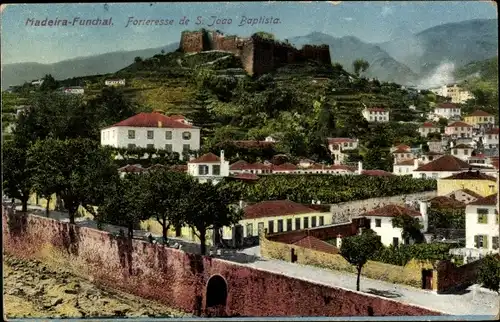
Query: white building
[458,130]
[77,90]
[462,151]
[115,82]
[447,110]
[37,82]
[481,226]
[490,139]
[209,167]
[338,146]
[405,167]
[376,114]
[441,167]
[428,128]
[152,130]
[453,91]
[381,222]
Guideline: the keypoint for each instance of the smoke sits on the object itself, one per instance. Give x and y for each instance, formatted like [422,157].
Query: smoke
[442,75]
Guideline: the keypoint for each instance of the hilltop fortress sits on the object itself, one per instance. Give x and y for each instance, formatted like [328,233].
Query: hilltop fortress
[258,55]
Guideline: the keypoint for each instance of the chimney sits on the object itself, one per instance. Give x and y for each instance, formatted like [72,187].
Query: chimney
[160,124]
[423,212]
[415,164]
[339,241]
[360,167]
[221,156]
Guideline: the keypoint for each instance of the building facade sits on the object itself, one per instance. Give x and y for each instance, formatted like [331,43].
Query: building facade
[480,119]
[475,181]
[376,115]
[428,128]
[481,226]
[447,110]
[209,167]
[458,130]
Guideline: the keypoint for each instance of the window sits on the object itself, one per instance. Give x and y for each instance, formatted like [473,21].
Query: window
[482,216]
[481,241]
[260,227]
[280,225]
[168,148]
[378,222]
[289,224]
[131,134]
[466,152]
[306,222]
[186,148]
[494,242]
[249,230]
[150,146]
[297,223]
[321,220]
[455,151]
[313,221]
[114,131]
[216,170]
[186,135]
[168,135]
[131,146]
[270,226]
[151,135]
[202,170]
[395,241]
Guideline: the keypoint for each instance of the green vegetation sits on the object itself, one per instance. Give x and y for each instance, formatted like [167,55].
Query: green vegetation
[489,273]
[485,69]
[327,189]
[402,254]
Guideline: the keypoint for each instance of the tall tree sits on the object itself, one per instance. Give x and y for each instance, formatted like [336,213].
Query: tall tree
[207,207]
[489,273]
[411,227]
[201,114]
[358,249]
[17,176]
[49,83]
[164,190]
[360,65]
[80,168]
[112,106]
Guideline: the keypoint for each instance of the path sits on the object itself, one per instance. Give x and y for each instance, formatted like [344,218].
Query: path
[474,301]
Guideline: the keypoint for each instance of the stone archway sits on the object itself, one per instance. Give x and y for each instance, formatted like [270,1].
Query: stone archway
[216,295]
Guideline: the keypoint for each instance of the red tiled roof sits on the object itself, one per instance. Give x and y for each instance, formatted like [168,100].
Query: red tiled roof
[275,208]
[490,200]
[376,109]
[429,124]
[406,162]
[316,244]
[459,124]
[245,176]
[401,151]
[380,173]
[445,163]
[479,113]
[177,117]
[179,167]
[493,131]
[152,120]
[445,202]
[470,175]
[471,193]
[403,147]
[478,156]
[432,153]
[447,105]
[285,167]
[496,164]
[156,166]
[131,168]
[392,211]
[238,165]
[206,158]
[340,140]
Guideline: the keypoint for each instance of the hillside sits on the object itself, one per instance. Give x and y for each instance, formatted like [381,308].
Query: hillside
[485,69]
[457,43]
[346,49]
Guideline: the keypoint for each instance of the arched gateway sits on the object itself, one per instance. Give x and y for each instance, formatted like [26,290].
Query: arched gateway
[216,296]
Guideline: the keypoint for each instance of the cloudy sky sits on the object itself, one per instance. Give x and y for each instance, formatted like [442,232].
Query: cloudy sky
[369,21]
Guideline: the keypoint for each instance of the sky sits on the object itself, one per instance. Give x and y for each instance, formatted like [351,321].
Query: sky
[369,21]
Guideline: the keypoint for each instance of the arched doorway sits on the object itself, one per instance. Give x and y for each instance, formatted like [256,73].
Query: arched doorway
[216,297]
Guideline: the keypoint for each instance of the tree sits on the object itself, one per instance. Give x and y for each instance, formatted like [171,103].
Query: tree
[137,59]
[489,273]
[112,106]
[205,207]
[17,176]
[264,35]
[164,191]
[359,66]
[124,204]
[80,168]
[201,114]
[162,51]
[49,83]
[411,227]
[358,249]
[379,159]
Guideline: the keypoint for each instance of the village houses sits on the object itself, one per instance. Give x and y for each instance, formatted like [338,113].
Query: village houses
[376,114]
[114,82]
[428,128]
[209,167]
[458,130]
[338,146]
[475,181]
[447,110]
[480,119]
[490,139]
[461,151]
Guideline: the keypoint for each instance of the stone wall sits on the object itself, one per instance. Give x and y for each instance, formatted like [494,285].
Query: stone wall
[179,279]
[345,211]
[452,278]
[191,42]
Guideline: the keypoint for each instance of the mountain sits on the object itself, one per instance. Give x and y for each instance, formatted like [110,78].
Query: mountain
[17,74]
[346,49]
[456,43]
[484,69]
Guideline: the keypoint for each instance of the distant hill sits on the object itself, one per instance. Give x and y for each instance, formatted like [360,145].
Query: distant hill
[17,74]
[458,43]
[346,49]
[484,69]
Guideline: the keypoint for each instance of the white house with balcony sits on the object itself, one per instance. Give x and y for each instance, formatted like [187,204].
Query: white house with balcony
[209,167]
[447,110]
[338,146]
[152,130]
[481,227]
[490,139]
[114,82]
[381,222]
[376,114]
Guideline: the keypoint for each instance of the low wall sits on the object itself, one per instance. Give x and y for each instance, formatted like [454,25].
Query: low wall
[411,274]
[344,211]
[452,278]
[179,279]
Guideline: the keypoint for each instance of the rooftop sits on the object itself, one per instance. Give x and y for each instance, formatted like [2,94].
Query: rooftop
[206,158]
[376,109]
[154,119]
[479,113]
[429,124]
[340,140]
[391,211]
[470,175]
[445,202]
[490,200]
[493,131]
[379,173]
[459,124]
[314,243]
[445,163]
[275,208]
